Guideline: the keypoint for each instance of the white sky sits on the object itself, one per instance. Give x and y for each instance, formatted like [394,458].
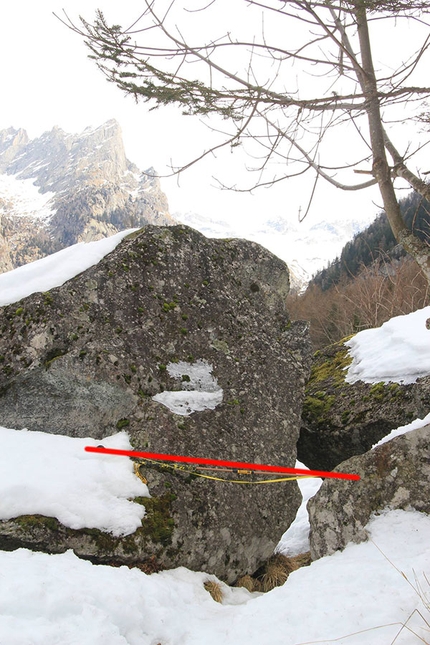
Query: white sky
[48,80]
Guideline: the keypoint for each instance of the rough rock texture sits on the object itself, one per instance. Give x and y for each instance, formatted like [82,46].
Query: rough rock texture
[394,475]
[91,190]
[341,420]
[87,358]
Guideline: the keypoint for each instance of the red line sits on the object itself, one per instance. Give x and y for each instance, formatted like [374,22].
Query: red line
[218,462]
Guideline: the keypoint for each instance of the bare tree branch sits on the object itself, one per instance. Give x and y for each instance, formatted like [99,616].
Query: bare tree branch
[248,82]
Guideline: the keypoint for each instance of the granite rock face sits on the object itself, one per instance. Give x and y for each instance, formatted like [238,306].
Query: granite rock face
[185,342]
[342,419]
[394,475]
[60,189]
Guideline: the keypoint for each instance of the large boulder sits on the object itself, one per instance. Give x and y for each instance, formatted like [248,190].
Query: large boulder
[343,419]
[394,475]
[185,342]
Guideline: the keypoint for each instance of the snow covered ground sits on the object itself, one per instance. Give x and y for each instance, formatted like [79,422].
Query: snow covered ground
[369,593]
[354,597]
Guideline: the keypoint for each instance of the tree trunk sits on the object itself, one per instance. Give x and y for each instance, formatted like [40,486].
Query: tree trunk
[381,169]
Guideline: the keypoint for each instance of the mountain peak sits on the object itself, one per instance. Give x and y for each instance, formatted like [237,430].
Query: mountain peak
[11,143]
[90,190]
[107,130]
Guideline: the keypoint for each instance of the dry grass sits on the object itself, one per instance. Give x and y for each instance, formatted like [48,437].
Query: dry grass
[277,570]
[301,560]
[214,588]
[249,583]
[274,572]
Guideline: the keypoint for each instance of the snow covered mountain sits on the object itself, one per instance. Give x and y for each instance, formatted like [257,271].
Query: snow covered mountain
[305,247]
[60,189]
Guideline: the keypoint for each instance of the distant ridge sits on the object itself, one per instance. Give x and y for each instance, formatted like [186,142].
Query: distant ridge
[376,243]
[305,247]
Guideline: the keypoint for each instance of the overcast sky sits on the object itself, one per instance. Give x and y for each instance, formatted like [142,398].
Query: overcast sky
[47,79]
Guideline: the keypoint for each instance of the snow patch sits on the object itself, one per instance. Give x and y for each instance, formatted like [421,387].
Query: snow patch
[200,390]
[398,351]
[22,198]
[296,539]
[52,475]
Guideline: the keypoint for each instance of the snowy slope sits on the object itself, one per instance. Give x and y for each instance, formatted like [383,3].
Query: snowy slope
[21,198]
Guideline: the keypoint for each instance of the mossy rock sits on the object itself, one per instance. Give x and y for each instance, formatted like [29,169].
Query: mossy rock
[340,419]
[47,534]
[165,294]
[317,408]
[329,366]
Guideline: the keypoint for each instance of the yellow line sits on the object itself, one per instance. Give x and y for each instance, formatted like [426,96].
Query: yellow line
[219,479]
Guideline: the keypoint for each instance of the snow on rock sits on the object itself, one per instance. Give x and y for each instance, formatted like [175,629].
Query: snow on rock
[54,270]
[398,351]
[200,390]
[296,539]
[414,425]
[52,475]
[393,476]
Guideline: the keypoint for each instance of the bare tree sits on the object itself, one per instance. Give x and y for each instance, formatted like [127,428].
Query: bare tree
[379,292]
[257,86]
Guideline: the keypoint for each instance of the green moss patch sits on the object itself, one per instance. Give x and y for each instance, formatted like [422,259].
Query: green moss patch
[158,523]
[31,522]
[379,391]
[330,365]
[317,408]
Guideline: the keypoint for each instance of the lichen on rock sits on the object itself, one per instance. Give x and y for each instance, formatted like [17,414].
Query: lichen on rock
[394,475]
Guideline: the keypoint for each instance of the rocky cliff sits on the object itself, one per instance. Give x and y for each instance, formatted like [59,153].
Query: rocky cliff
[186,343]
[60,189]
